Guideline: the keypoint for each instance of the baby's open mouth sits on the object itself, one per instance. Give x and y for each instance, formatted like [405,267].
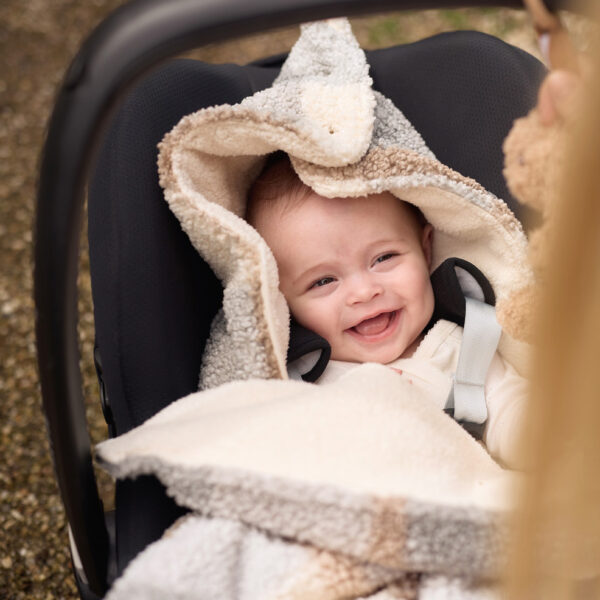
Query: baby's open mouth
[376,325]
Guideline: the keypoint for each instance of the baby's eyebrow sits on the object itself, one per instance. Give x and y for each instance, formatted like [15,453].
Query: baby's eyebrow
[311,272]
[384,242]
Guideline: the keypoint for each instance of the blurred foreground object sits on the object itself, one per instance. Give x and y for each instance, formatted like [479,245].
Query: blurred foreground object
[557,554]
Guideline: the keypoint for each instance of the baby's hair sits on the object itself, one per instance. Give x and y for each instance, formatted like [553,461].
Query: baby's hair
[279,185]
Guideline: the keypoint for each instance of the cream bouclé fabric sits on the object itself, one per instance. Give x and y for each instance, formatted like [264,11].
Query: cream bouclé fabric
[320,109]
[359,488]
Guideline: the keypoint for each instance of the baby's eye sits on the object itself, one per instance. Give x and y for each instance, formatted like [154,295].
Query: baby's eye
[321,282]
[385,257]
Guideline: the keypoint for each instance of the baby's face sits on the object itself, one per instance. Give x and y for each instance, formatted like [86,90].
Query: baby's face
[356,272]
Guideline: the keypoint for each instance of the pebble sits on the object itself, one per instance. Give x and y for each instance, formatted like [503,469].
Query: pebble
[34,53]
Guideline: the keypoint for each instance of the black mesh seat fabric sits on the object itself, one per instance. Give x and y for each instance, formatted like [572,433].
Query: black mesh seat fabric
[154,297]
[462,92]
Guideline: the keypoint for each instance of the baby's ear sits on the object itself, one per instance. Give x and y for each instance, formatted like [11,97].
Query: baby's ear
[427,243]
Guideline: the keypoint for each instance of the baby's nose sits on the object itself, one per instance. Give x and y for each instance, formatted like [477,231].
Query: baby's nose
[363,287]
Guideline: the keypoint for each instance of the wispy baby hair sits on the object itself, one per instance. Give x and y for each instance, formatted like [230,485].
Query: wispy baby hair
[277,186]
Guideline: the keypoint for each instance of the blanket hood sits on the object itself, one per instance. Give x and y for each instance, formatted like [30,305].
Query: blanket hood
[344,140]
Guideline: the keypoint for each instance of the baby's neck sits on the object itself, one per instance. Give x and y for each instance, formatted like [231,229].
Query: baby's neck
[412,348]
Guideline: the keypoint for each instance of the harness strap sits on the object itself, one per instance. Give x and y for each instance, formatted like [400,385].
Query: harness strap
[481,335]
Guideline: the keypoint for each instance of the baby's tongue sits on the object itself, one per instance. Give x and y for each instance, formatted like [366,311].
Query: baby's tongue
[373,326]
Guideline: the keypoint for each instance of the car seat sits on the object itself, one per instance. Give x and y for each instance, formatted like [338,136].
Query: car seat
[154,297]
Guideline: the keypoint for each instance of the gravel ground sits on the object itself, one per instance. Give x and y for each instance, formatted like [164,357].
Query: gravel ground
[38,38]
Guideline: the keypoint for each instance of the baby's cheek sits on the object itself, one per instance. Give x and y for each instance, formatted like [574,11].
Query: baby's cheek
[428,299]
[305,313]
[417,283]
[421,293]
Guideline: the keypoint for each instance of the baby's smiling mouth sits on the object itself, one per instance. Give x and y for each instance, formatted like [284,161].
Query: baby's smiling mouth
[376,326]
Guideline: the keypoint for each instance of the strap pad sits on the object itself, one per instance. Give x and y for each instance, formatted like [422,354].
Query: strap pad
[480,339]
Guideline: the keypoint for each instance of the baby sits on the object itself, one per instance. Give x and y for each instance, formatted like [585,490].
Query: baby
[356,271]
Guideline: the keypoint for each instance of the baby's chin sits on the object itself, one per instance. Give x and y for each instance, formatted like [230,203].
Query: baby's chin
[382,357]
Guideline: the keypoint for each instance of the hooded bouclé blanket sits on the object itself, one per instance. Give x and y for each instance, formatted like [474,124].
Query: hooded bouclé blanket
[358,488]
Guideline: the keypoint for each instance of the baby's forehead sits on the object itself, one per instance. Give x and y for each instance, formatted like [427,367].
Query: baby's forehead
[372,208]
[303,212]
